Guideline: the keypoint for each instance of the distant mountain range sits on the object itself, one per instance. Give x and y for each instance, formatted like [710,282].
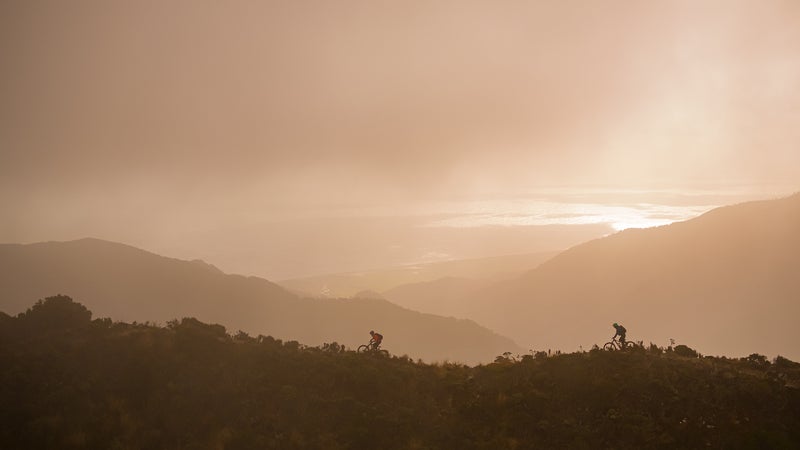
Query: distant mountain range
[727,282]
[129,284]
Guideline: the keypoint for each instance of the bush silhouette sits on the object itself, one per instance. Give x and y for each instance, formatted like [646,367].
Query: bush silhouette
[57,312]
[683,350]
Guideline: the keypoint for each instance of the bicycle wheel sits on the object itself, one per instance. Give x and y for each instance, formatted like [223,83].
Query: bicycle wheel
[362,348]
[383,353]
[609,347]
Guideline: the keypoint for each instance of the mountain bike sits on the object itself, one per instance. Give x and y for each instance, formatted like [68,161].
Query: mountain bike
[372,348]
[615,344]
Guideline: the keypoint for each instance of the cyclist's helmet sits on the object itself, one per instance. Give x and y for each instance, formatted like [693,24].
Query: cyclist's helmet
[615,325]
[371,332]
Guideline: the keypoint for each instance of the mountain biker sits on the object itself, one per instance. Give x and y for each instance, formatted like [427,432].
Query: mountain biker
[376,340]
[620,332]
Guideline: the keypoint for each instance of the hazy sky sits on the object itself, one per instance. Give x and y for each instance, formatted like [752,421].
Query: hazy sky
[200,128]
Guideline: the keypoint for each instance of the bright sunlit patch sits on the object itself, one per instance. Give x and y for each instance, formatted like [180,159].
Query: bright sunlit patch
[643,223]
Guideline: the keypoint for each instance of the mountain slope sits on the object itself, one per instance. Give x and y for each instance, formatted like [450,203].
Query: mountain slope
[728,281]
[129,284]
[444,296]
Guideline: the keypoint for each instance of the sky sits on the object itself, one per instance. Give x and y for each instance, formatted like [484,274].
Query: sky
[284,139]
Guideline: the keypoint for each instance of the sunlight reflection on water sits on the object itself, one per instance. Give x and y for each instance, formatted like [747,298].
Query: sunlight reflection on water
[537,213]
[621,209]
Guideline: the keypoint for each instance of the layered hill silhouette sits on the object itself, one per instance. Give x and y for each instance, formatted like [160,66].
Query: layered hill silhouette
[129,284]
[727,281]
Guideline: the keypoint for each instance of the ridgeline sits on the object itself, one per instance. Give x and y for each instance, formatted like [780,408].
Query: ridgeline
[68,381]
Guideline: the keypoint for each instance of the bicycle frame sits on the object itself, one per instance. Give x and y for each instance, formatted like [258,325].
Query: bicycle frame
[615,344]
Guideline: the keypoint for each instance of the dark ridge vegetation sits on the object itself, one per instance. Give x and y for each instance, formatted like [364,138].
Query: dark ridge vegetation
[68,381]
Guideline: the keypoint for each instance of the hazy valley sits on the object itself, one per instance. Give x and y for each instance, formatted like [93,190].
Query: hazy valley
[726,282]
[490,269]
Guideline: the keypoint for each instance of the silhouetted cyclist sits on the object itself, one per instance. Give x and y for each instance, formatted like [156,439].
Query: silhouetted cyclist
[621,333]
[376,340]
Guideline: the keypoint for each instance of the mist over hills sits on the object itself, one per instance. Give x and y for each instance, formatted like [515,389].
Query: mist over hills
[129,284]
[727,281]
[491,269]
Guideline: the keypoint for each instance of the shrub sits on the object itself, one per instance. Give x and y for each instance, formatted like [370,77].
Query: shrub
[56,313]
[683,350]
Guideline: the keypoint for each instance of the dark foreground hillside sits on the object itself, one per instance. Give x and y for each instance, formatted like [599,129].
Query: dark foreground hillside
[69,382]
